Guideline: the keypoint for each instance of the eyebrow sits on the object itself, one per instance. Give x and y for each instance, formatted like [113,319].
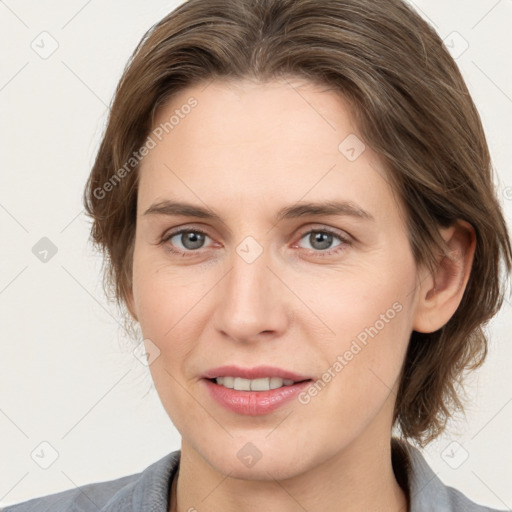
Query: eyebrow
[303,209]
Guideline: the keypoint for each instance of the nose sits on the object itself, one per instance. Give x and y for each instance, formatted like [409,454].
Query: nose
[253,303]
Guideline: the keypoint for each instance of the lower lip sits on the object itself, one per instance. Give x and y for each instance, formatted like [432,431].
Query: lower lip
[254,403]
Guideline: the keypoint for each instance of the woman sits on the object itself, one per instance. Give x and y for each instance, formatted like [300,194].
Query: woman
[296,204]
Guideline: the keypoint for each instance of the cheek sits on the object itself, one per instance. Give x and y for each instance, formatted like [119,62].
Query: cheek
[372,356]
[163,296]
[166,310]
[372,320]
[170,306]
[359,381]
[362,302]
[366,313]
[370,343]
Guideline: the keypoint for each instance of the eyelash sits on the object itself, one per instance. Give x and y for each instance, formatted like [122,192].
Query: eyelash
[338,249]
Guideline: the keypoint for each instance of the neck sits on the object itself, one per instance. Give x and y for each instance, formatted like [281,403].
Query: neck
[359,478]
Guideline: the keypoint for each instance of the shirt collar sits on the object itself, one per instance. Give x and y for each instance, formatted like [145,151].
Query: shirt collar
[150,491]
[422,486]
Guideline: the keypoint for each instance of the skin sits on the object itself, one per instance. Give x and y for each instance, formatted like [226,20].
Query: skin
[245,151]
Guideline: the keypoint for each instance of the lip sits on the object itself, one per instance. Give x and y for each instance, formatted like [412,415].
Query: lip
[254,403]
[257,372]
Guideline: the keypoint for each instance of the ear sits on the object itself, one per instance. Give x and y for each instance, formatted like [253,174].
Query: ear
[440,294]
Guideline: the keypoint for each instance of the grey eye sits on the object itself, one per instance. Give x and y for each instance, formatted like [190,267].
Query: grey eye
[190,240]
[320,240]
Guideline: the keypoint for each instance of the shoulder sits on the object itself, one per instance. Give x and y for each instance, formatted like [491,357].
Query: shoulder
[132,492]
[88,497]
[459,501]
[426,490]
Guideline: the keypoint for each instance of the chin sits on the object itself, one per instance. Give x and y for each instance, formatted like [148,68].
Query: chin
[257,458]
[262,470]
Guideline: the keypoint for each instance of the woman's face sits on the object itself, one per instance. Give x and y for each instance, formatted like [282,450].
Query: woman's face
[263,278]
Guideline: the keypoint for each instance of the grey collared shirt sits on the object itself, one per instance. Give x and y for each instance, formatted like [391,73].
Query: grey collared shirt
[148,491]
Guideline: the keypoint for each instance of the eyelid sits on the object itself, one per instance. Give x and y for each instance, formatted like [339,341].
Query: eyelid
[343,235]
[345,241]
[184,229]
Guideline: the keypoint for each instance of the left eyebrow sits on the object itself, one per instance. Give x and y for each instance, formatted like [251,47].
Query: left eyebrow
[322,209]
[304,209]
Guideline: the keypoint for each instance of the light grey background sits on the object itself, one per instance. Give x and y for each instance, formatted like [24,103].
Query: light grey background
[67,377]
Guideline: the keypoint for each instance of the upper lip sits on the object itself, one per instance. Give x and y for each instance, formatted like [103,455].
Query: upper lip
[256,372]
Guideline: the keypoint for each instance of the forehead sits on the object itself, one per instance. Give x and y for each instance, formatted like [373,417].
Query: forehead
[241,142]
[245,111]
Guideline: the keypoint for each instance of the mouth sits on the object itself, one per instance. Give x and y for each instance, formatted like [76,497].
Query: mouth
[260,384]
[254,391]
[257,373]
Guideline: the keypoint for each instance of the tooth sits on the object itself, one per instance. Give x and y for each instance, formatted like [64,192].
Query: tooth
[229,382]
[260,384]
[275,382]
[242,384]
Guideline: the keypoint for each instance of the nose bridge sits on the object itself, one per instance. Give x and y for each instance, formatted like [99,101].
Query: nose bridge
[250,301]
[248,282]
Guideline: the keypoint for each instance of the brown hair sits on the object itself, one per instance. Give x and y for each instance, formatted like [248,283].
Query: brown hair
[411,106]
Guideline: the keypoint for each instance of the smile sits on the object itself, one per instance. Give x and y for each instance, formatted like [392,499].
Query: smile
[253,397]
[262,384]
